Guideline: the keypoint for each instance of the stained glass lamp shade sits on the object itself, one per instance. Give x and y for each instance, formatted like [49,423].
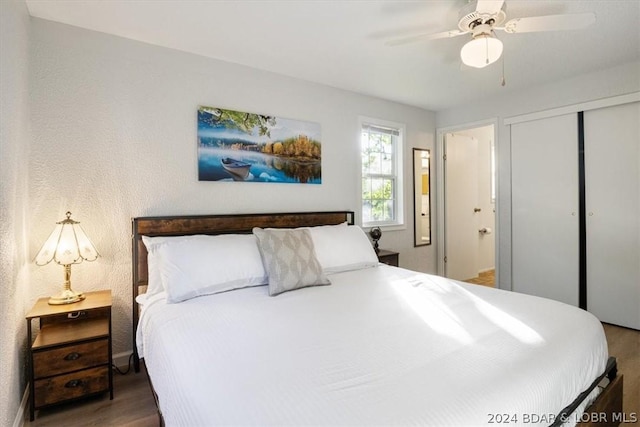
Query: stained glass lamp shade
[68,244]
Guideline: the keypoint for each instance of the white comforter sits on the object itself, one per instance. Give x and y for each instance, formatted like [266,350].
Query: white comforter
[380,346]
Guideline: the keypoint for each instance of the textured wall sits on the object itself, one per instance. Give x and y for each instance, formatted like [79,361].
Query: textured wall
[114,136]
[14,149]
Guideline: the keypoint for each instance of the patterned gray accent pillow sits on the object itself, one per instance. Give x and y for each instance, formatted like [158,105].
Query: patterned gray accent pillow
[289,259]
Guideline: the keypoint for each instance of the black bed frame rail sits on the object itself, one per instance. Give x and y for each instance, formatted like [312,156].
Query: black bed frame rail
[611,371]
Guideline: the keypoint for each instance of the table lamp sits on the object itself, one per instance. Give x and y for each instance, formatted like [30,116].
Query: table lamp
[375,234]
[68,244]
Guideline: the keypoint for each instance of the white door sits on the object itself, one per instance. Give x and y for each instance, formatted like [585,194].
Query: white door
[612,177]
[461,196]
[544,187]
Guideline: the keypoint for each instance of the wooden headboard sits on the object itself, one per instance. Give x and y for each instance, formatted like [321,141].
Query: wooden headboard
[211,224]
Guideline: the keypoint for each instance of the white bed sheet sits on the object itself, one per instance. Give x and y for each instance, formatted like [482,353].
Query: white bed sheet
[380,346]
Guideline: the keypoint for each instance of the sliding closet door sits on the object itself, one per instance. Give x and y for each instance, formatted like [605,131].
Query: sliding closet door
[612,163]
[544,186]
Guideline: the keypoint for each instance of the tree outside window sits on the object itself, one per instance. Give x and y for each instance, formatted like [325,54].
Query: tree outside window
[380,148]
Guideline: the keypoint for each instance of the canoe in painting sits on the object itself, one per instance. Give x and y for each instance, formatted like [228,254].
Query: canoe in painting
[236,168]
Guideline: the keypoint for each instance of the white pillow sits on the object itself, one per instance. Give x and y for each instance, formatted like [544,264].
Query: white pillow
[202,265]
[342,248]
[154,281]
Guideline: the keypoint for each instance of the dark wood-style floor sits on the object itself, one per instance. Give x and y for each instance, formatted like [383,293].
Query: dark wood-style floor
[624,345]
[133,404]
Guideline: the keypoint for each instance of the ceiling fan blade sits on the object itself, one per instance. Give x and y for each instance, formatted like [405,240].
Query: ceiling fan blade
[550,23]
[424,37]
[490,7]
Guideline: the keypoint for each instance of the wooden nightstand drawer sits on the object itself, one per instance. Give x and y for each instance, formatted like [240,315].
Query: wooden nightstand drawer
[69,386]
[70,358]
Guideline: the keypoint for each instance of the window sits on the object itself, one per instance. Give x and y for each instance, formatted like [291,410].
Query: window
[381,153]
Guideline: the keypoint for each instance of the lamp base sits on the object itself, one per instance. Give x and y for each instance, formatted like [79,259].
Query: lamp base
[66,297]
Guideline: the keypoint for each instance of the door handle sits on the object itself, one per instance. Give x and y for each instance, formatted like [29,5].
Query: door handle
[476,210]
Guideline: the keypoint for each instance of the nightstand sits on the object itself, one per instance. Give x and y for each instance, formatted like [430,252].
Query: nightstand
[70,358]
[388,257]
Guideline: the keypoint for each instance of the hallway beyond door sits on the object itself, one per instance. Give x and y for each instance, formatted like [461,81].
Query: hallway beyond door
[486,278]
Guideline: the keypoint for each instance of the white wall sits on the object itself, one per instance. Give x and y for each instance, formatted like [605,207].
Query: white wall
[114,136]
[608,82]
[14,149]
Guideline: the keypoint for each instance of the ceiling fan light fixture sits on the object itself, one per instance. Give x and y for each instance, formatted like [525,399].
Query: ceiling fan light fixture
[483,50]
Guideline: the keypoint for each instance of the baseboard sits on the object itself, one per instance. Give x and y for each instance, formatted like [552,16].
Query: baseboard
[21,416]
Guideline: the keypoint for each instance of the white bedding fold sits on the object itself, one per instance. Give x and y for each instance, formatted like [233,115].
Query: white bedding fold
[380,346]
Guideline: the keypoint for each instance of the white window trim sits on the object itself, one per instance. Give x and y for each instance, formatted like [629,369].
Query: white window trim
[400,222]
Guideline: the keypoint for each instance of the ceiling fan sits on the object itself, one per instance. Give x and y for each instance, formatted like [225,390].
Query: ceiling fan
[480,18]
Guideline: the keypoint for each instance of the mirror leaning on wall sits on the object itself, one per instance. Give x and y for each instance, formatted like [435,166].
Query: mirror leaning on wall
[421,197]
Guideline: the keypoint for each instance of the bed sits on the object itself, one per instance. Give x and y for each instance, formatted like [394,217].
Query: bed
[376,345]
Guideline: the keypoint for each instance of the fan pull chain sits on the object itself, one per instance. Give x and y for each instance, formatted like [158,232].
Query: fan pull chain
[503,82]
[486,46]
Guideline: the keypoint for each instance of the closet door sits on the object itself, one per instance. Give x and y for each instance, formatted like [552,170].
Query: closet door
[544,187]
[612,178]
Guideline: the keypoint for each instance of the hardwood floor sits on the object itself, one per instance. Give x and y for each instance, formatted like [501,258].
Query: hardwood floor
[624,345]
[133,404]
[486,278]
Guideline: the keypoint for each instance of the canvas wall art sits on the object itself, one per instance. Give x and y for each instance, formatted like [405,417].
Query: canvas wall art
[249,147]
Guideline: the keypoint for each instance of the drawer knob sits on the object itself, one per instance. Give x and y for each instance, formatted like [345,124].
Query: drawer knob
[72,356]
[73,384]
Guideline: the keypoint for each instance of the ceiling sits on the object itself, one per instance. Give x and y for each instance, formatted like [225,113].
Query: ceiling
[341,43]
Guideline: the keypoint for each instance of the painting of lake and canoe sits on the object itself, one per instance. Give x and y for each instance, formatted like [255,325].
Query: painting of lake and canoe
[249,147]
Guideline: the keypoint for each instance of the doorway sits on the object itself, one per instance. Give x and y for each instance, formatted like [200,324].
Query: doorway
[468,204]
